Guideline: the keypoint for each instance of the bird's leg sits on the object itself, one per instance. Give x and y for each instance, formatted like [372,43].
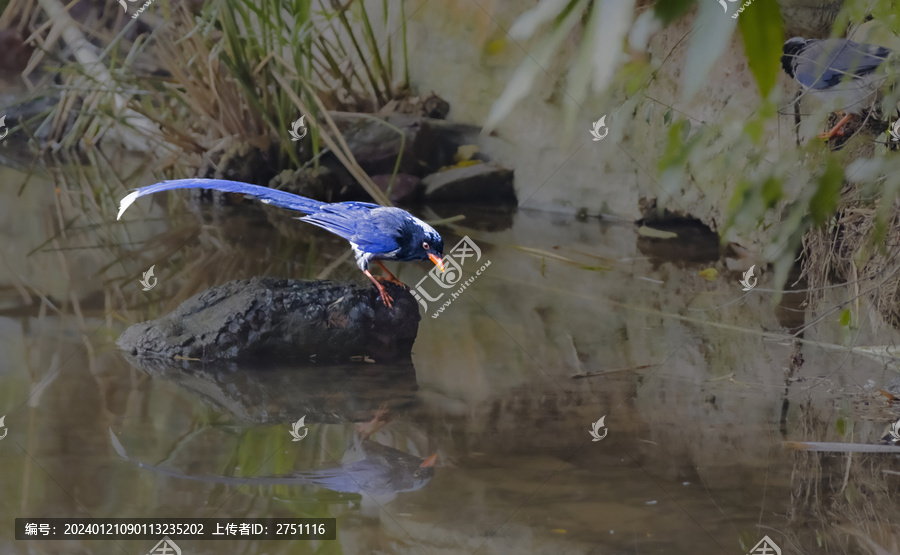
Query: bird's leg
[385,298]
[390,277]
[381,418]
[836,130]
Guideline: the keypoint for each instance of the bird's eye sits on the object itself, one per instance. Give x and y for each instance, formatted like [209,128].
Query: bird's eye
[425,245]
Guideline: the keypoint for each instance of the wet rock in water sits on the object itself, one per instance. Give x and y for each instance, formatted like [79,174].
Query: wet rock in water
[284,319]
[326,183]
[335,184]
[238,161]
[488,183]
[376,146]
[406,188]
[429,144]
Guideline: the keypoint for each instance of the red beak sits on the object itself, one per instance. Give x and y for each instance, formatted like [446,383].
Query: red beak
[438,261]
[429,461]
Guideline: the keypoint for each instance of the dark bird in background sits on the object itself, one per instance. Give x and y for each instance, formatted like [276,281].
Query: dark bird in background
[839,72]
[374,232]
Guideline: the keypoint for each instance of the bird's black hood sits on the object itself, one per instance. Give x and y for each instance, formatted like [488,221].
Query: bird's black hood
[790,50]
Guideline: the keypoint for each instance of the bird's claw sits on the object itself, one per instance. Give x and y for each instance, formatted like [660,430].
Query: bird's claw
[377,422]
[386,298]
[393,280]
[382,292]
[827,136]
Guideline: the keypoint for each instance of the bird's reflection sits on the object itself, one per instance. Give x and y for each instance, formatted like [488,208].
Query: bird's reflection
[367,394]
[367,467]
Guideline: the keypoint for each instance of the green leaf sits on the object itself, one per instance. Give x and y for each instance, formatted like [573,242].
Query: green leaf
[828,192]
[670,10]
[763,34]
[841,426]
[677,149]
[845,321]
[771,192]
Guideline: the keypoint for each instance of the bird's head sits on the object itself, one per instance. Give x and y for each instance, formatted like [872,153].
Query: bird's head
[420,241]
[423,472]
[791,48]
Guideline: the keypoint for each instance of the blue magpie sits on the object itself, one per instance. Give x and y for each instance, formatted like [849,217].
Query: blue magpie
[837,71]
[374,232]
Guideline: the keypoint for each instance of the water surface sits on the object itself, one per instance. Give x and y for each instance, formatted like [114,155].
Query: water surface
[698,381]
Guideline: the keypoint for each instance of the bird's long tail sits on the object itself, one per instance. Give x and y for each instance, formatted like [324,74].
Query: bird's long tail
[315,477]
[264,194]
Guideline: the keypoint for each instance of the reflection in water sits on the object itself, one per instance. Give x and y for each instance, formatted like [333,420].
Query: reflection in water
[366,467]
[268,392]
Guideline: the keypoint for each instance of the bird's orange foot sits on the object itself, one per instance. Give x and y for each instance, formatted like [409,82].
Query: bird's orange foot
[385,298]
[837,130]
[389,277]
[829,134]
[393,280]
[378,421]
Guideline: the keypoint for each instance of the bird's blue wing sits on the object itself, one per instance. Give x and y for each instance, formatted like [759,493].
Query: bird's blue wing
[264,194]
[823,64]
[354,222]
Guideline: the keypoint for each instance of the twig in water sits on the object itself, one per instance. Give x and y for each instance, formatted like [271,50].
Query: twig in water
[604,372]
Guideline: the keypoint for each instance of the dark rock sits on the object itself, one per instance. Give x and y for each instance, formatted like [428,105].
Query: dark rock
[406,188]
[435,107]
[437,142]
[430,143]
[332,183]
[431,106]
[14,52]
[695,243]
[488,183]
[238,161]
[376,146]
[284,319]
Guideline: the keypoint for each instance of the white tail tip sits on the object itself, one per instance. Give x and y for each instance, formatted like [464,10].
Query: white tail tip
[126,202]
